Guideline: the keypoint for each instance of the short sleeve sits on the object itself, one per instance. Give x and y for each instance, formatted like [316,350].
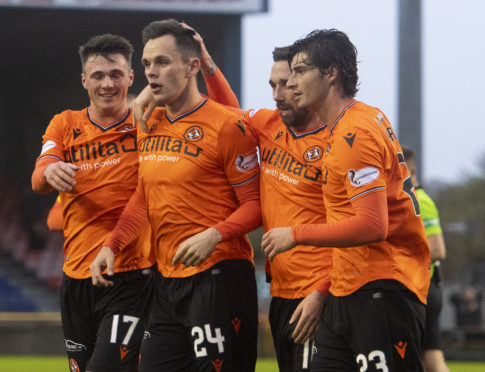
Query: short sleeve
[53,140]
[237,151]
[360,161]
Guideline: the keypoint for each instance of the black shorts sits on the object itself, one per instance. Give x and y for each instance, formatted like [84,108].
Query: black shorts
[433,310]
[103,326]
[205,322]
[291,356]
[377,328]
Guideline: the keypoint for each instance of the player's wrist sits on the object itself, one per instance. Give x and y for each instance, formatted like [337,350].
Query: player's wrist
[323,289]
[209,69]
[47,170]
[216,235]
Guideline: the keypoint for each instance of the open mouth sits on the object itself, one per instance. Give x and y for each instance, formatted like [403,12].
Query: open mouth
[155,87]
[284,109]
[108,95]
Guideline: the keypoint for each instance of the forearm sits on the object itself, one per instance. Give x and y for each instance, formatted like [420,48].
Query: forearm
[368,225]
[39,182]
[133,220]
[219,89]
[437,247]
[243,220]
[247,216]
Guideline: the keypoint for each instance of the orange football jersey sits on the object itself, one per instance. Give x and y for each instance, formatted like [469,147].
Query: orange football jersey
[107,156]
[364,155]
[55,220]
[189,167]
[291,193]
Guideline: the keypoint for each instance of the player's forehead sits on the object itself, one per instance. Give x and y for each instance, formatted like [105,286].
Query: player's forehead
[300,59]
[97,62]
[163,46]
[280,71]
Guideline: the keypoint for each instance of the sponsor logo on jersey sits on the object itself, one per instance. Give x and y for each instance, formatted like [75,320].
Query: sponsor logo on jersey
[194,133]
[73,366]
[325,175]
[401,348]
[76,132]
[241,127]
[236,323]
[349,138]
[362,176]
[313,154]
[217,364]
[246,163]
[281,159]
[47,146]
[73,346]
[99,150]
[123,351]
[280,133]
[168,144]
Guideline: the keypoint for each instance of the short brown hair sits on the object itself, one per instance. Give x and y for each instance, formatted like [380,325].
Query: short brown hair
[104,45]
[184,37]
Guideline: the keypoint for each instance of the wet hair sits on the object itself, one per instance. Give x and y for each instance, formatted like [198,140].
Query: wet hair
[104,45]
[184,37]
[281,53]
[330,49]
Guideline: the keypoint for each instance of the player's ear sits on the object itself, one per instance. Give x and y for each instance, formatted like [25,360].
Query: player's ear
[332,72]
[193,67]
[83,80]
[131,76]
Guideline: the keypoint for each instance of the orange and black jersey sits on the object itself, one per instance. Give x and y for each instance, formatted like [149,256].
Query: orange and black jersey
[291,193]
[107,156]
[363,156]
[194,169]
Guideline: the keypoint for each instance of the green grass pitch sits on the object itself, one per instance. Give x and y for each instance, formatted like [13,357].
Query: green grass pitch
[59,364]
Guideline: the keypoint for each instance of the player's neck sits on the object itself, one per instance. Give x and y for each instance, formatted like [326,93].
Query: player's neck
[332,107]
[107,116]
[312,121]
[189,98]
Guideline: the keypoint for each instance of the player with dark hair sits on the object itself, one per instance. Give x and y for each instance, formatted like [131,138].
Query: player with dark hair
[199,188]
[104,46]
[290,142]
[374,315]
[90,156]
[434,360]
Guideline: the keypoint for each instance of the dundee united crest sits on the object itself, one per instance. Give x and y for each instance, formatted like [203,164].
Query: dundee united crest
[73,365]
[313,154]
[194,133]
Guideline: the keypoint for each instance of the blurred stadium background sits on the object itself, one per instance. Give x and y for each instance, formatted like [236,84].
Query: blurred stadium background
[40,76]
